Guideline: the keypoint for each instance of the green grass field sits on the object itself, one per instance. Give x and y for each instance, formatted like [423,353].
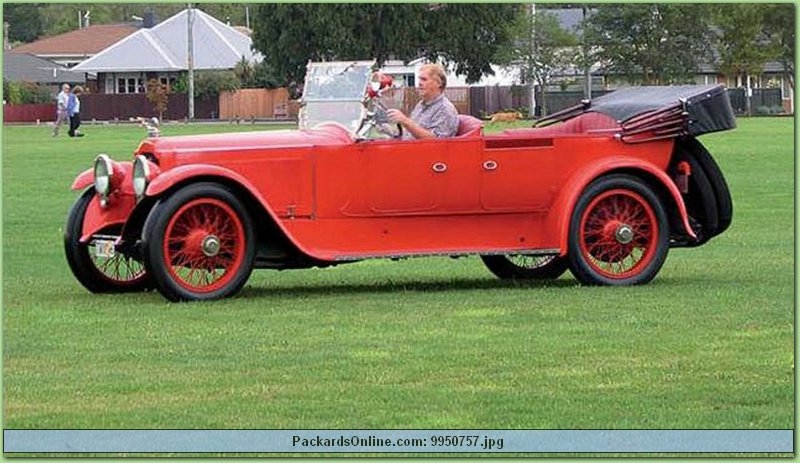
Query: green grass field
[418,344]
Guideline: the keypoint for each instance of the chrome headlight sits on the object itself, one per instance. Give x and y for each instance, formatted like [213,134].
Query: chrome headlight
[141,176]
[103,172]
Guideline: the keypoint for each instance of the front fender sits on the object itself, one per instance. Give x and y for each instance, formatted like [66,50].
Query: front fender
[564,205]
[83,180]
[172,177]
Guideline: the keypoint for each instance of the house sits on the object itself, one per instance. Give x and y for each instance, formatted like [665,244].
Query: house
[161,52]
[24,67]
[73,47]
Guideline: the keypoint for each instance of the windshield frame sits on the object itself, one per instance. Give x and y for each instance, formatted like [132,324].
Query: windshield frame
[334,91]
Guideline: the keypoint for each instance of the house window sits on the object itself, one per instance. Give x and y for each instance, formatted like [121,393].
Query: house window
[132,87]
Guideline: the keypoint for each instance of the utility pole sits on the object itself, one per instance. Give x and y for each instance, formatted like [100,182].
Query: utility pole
[587,66]
[532,80]
[190,59]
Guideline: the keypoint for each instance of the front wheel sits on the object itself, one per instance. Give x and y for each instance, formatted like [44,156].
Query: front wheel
[526,267]
[199,243]
[100,272]
[618,233]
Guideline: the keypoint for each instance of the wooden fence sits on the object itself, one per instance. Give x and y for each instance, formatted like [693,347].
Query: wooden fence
[29,112]
[275,104]
[253,103]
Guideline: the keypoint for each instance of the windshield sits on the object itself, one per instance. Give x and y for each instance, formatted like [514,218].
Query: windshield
[334,92]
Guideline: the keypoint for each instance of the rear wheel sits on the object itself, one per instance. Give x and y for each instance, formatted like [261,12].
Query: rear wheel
[618,233]
[200,243]
[105,272]
[526,267]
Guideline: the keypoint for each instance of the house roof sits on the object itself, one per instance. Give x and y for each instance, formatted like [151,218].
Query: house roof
[80,42]
[23,67]
[165,47]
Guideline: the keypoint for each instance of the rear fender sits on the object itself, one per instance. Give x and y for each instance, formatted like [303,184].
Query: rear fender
[561,212]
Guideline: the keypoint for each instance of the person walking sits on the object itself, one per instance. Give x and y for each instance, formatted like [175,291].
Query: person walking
[62,117]
[74,112]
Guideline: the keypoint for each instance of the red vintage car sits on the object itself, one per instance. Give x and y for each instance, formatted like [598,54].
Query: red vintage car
[603,189]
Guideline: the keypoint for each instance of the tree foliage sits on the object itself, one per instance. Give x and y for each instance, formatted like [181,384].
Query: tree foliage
[465,36]
[651,43]
[541,50]
[26,93]
[779,26]
[31,21]
[742,45]
[24,21]
[158,96]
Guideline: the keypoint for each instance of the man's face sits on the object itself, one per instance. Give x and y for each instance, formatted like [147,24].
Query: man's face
[66,88]
[427,86]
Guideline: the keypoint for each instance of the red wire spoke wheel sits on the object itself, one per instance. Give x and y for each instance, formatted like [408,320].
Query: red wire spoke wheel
[526,267]
[109,272]
[619,233]
[204,245]
[119,269]
[200,243]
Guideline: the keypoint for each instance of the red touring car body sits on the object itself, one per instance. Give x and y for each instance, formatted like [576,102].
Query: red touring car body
[603,189]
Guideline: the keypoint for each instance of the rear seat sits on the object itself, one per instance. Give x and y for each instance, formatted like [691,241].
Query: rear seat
[585,123]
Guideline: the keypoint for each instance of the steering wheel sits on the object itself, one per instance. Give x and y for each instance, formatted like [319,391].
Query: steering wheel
[379,120]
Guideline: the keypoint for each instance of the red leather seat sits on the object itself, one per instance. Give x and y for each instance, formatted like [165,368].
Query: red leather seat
[469,126]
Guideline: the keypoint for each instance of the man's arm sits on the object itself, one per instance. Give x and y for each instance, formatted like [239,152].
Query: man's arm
[418,131]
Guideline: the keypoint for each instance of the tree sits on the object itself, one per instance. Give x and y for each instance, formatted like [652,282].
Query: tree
[650,43]
[541,49]
[465,36]
[779,25]
[743,46]
[158,96]
[24,21]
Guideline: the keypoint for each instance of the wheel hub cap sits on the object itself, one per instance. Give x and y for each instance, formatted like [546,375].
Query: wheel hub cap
[210,245]
[624,234]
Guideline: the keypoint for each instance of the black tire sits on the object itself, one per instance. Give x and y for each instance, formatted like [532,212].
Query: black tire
[701,202]
[618,233]
[199,243]
[117,274]
[717,181]
[526,267]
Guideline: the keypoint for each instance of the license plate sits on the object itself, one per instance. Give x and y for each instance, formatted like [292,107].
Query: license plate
[104,248]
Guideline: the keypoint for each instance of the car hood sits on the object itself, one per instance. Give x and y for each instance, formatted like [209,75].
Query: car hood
[330,134]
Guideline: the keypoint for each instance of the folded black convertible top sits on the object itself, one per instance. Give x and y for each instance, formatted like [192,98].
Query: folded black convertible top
[645,113]
[708,107]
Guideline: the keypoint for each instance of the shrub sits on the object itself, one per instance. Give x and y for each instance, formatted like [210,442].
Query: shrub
[26,93]
[209,84]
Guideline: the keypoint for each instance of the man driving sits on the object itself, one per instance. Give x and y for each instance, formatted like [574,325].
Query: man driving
[434,116]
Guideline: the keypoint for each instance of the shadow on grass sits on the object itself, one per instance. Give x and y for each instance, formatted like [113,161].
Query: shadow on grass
[305,290]
[389,286]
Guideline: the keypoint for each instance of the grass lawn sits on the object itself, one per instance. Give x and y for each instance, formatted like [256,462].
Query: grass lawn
[418,344]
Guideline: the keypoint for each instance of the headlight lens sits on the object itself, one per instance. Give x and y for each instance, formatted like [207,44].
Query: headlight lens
[103,171]
[141,176]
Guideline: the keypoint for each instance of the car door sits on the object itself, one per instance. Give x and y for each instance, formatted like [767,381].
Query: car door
[518,175]
[417,177]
